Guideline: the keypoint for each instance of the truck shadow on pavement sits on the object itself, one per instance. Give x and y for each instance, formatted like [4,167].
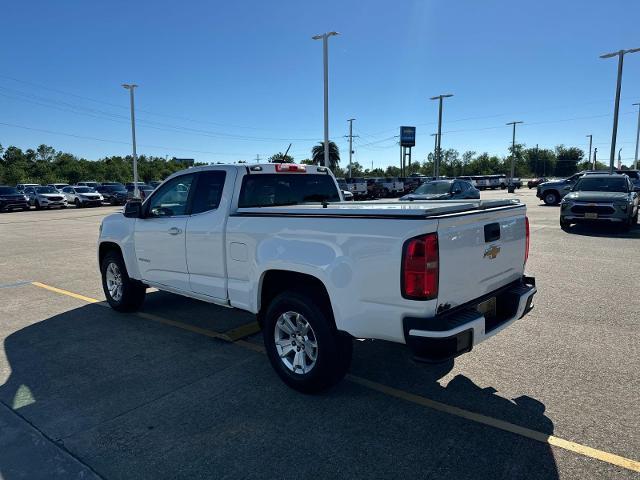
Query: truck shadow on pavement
[612,231]
[122,397]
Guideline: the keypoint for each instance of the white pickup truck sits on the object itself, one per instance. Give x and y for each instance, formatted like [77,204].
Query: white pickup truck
[276,240]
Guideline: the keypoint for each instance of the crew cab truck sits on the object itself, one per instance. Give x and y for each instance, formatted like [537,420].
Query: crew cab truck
[275,240]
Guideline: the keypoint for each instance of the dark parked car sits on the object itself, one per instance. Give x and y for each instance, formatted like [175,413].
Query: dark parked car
[611,199]
[113,193]
[154,183]
[535,182]
[143,188]
[374,189]
[444,190]
[12,199]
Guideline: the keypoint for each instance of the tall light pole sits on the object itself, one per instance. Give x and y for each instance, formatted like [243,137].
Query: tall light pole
[435,149]
[513,156]
[590,143]
[439,137]
[131,87]
[635,164]
[350,142]
[616,108]
[325,61]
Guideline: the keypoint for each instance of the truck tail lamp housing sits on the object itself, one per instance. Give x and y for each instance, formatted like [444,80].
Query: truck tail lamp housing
[420,267]
[290,168]
[526,245]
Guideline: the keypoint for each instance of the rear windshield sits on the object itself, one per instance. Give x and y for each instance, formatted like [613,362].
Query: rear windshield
[270,190]
[607,184]
[8,191]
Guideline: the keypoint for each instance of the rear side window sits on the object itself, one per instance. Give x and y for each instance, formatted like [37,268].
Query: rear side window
[269,190]
[208,191]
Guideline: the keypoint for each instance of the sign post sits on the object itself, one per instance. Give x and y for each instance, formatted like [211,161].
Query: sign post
[407,140]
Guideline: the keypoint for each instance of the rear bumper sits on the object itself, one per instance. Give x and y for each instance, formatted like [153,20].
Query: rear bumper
[455,332]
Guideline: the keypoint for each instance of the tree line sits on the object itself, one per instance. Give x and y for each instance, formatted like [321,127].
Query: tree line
[45,165]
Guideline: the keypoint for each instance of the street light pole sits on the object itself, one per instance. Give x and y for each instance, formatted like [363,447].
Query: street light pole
[131,87]
[590,143]
[513,156]
[325,60]
[435,149]
[616,108]
[635,164]
[439,137]
[350,142]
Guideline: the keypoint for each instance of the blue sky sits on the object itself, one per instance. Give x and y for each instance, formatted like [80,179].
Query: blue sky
[225,81]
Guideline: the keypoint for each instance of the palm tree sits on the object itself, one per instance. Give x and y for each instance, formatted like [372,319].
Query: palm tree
[317,155]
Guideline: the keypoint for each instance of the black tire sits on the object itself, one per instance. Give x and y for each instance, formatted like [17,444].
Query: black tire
[133,291]
[38,206]
[564,225]
[551,198]
[77,203]
[334,350]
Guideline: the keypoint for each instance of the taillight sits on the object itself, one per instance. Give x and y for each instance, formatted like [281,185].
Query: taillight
[526,246]
[420,268]
[290,167]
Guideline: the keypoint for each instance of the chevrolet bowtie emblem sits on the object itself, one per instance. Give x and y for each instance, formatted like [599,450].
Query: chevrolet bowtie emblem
[492,252]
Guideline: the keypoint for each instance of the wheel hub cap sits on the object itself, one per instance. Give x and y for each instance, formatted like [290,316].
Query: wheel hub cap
[296,342]
[113,279]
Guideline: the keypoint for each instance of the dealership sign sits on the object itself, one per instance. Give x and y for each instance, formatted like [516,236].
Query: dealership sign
[407,136]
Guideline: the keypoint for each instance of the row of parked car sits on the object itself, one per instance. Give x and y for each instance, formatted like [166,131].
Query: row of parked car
[60,195]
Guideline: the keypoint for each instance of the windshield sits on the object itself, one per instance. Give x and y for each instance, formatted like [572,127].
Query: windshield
[602,184]
[8,191]
[268,190]
[46,190]
[115,187]
[433,188]
[84,190]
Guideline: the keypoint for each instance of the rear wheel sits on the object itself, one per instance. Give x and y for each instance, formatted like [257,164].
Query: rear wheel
[551,198]
[123,293]
[304,348]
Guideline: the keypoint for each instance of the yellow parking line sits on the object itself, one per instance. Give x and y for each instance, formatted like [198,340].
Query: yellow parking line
[65,292]
[580,449]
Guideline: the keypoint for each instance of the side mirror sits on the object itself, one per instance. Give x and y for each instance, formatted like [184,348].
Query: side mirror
[457,191]
[133,209]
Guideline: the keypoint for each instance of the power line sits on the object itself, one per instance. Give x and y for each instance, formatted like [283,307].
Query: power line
[52,132]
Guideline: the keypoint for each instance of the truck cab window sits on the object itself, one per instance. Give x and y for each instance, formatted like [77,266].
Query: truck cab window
[208,191]
[171,200]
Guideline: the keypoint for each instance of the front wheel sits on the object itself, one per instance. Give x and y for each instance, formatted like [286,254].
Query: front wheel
[304,348]
[123,293]
[38,206]
[564,225]
[551,198]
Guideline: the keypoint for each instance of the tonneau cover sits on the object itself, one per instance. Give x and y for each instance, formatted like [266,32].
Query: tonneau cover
[420,209]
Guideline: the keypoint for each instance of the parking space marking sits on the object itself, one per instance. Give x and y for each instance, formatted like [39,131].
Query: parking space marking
[578,448]
[65,292]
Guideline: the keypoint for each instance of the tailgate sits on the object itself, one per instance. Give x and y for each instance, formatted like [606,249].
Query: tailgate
[480,253]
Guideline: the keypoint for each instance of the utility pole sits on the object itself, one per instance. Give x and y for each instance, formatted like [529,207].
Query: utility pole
[350,136]
[513,156]
[325,61]
[537,156]
[435,150]
[635,164]
[616,107]
[590,143]
[131,87]
[257,158]
[439,137]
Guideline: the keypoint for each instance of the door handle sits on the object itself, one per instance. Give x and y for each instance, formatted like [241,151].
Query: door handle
[175,231]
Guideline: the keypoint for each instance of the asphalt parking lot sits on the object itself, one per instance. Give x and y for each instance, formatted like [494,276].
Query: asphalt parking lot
[182,389]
